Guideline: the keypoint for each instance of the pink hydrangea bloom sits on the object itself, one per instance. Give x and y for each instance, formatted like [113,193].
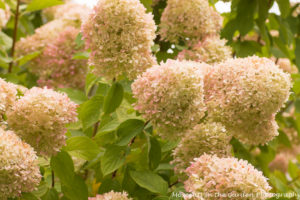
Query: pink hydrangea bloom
[208,137]
[18,166]
[40,117]
[120,35]
[56,68]
[111,196]
[171,96]
[41,37]
[244,94]
[4,16]
[210,50]
[211,175]
[192,20]
[8,95]
[70,11]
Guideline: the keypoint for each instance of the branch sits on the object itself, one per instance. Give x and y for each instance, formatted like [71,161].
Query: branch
[14,36]
[53,181]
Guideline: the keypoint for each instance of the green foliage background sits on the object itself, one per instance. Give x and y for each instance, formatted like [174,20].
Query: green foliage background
[115,149]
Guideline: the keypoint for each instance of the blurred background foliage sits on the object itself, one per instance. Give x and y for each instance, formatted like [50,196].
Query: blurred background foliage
[113,148]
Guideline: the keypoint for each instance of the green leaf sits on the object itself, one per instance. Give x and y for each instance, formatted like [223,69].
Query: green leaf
[161,198]
[293,170]
[108,185]
[73,186]
[81,55]
[75,95]
[283,138]
[113,159]
[51,195]
[245,15]
[28,196]
[35,5]
[246,48]
[25,59]
[113,99]
[297,53]
[83,146]
[62,165]
[5,41]
[128,130]
[297,105]
[110,126]
[284,7]
[263,8]
[89,111]
[150,181]
[154,153]
[76,190]
[90,80]
[147,4]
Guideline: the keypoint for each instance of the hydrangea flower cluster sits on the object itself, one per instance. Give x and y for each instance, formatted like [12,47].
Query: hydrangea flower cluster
[39,118]
[210,174]
[120,35]
[69,11]
[286,65]
[111,196]
[171,96]
[209,137]
[41,37]
[283,157]
[192,20]
[4,16]
[210,50]
[56,68]
[18,166]
[245,94]
[8,95]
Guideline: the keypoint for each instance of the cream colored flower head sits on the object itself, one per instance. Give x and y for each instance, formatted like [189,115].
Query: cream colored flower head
[208,137]
[210,50]
[40,118]
[245,94]
[189,21]
[120,34]
[171,95]
[210,175]
[18,166]
[111,196]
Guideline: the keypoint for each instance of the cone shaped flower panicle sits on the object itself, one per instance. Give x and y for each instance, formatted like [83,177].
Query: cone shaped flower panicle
[210,175]
[56,66]
[209,137]
[245,94]
[18,166]
[120,34]
[40,117]
[8,95]
[192,20]
[69,11]
[111,196]
[172,96]
[4,16]
[210,50]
